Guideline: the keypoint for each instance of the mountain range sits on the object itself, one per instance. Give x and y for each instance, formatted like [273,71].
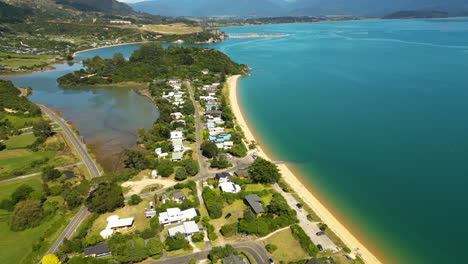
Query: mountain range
[372,8]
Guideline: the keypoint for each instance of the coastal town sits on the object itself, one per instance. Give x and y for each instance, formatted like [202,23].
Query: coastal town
[198,188]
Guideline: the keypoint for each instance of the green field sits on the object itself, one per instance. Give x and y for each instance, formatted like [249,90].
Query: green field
[21,141]
[21,121]
[289,248]
[17,159]
[6,189]
[12,60]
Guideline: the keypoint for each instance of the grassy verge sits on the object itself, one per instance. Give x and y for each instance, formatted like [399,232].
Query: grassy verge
[288,248]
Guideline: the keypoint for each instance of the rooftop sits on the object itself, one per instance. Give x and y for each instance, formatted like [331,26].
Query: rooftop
[255,202]
[233,259]
[98,249]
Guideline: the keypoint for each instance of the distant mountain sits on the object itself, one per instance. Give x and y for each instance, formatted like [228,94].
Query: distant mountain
[417,14]
[373,8]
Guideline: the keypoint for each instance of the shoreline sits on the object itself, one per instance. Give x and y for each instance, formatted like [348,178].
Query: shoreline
[295,182]
[108,46]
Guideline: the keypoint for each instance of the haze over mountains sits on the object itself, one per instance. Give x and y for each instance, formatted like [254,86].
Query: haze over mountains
[376,8]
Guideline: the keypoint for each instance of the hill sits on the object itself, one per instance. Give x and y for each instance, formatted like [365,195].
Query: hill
[417,14]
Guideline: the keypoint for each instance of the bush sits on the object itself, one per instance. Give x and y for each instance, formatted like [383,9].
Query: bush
[165,168]
[198,237]
[105,198]
[181,174]
[347,250]
[217,253]
[154,223]
[148,233]
[209,149]
[134,200]
[49,174]
[176,243]
[304,240]
[212,236]
[213,202]
[323,226]
[155,247]
[192,167]
[7,204]
[271,248]
[229,230]
[27,214]
[21,193]
[264,171]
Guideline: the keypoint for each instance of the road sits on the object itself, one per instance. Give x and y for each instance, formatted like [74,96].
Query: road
[39,173]
[87,161]
[309,227]
[255,249]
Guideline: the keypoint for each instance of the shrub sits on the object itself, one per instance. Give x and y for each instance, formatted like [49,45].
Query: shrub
[213,202]
[176,243]
[212,236]
[181,174]
[217,253]
[134,200]
[304,240]
[198,237]
[148,233]
[271,248]
[229,230]
[323,226]
[105,198]
[27,214]
[347,250]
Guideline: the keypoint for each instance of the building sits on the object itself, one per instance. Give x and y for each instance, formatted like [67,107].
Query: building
[178,145]
[211,105]
[121,22]
[222,175]
[205,71]
[187,229]
[233,259]
[229,187]
[177,196]
[220,138]
[154,174]
[255,203]
[175,215]
[177,115]
[177,135]
[177,156]
[243,173]
[99,250]
[114,223]
[213,113]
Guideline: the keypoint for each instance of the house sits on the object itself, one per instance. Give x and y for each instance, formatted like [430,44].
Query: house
[150,213]
[233,259]
[160,154]
[177,115]
[213,113]
[187,228]
[216,130]
[210,125]
[154,174]
[99,250]
[121,22]
[243,173]
[175,215]
[211,105]
[205,71]
[255,203]
[177,135]
[220,138]
[178,145]
[229,187]
[177,196]
[177,156]
[221,176]
[228,145]
[114,223]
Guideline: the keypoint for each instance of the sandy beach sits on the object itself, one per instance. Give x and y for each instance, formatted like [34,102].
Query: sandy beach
[327,217]
[108,46]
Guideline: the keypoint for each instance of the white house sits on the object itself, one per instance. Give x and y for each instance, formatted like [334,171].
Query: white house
[160,154]
[154,174]
[115,223]
[177,135]
[177,115]
[216,130]
[229,187]
[187,228]
[228,145]
[175,215]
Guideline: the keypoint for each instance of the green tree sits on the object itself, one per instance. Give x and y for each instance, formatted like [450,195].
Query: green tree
[264,171]
[181,174]
[229,230]
[21,193]
[134,200]
[148,233]
[27,214]
[271,248]
[73,198]
[192,167]
[217,253]
[135,159]
[42,128]
[209,149]
[165,168]
[155,247]
[154,223]
[49,173]
[198,237]
[105,198]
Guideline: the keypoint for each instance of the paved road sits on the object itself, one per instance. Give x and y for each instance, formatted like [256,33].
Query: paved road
[39,173]
[310,228]
[253,248]
[87,161]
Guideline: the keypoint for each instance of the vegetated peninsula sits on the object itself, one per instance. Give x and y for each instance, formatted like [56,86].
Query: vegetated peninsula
[417,14]
[150,62]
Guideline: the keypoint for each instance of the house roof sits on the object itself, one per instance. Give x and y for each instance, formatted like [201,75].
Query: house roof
[69,174]
[177,155]
[98,249]
[255,202]
[176,215]
[233,259]
[229,187]
[177,194]
[113,221]
[176,142]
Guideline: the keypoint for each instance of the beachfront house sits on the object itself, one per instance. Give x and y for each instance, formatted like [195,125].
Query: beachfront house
[175,215]
[187,229]
[255,203]
[219,138]
[211,105]
[215,130]
[213,113]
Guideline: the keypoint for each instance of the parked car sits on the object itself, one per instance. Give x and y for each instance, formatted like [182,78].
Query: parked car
[271,261]
[320,233]
[245,235]
[228,216]
[299,205]
[320,247]
[347,256]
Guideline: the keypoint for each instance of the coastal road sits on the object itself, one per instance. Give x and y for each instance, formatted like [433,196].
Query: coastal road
[87,161]
[255,249]
[309,227]
[39,173]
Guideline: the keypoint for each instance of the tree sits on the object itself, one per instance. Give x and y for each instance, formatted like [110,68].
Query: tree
[217,253]
[209,149]
[181,174]
[155,247]
[264,171]
[50,259]
[42,129]
[148,233]
[176,242]
[165,168]
[198,237]
[2,146]
[134,200]
[23,192]
[221,163]
[7,204]
[135,159]
[192,167]
[105,198]
[49,173]
[27,214]
[229,230]
[249,216]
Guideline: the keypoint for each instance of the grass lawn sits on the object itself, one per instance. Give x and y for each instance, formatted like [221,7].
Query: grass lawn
[16,247]
[6,189]
[254,188]
[20,158]
[236,209]
[179,252]
[289,248]
[21,141]
[21,121]
[136,211]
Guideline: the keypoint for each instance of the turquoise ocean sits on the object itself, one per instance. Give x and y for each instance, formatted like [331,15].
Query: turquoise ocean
[374,116]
